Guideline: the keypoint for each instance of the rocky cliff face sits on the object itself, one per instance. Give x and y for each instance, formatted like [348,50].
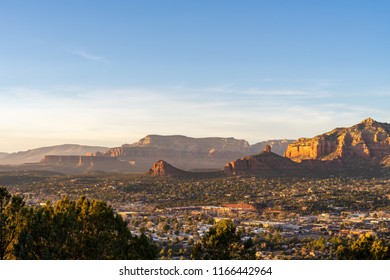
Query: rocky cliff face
[184,152]
[180,143]
[81,164]
[366,141]
[360,150]
[267,164]
[188,153]
[278,146]
[263,164]
[36,155]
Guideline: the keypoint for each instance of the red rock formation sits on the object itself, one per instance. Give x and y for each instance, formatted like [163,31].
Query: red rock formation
[368,141]
[267,148]
[278,146]
[162,168]
[184,152]
[80,164]
[263,164]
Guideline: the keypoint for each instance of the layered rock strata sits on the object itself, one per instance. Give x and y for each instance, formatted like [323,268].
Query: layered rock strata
[366,141]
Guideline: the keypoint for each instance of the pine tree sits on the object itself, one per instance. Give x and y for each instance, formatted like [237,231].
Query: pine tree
[13,217]
[81,229]
[222,242]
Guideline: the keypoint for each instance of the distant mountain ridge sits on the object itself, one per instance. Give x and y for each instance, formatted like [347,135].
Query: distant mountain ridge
[36,155]
[362,149]
[189,153]
[2,155]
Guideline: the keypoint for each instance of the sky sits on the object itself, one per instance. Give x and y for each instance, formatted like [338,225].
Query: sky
[111,72]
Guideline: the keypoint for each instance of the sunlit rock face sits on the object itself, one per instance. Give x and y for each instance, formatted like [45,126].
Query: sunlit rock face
[360,150]
[183,152]
[162,168]
[266,163]
[189,153]
[368,140]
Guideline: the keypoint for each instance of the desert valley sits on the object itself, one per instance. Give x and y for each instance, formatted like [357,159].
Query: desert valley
[309,198]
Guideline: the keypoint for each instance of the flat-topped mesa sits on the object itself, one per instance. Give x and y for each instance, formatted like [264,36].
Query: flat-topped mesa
[184,152]
[67,160]
[79,164]
[368,140]
[180,142]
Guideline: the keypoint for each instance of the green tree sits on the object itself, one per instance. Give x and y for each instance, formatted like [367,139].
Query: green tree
[222,242]
[142,248]
[13,213]
[81,229]
[366,247]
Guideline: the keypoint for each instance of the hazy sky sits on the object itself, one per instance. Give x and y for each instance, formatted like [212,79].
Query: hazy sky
[111,72]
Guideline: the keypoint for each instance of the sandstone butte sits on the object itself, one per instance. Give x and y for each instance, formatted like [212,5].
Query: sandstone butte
[265,163]
[162,168]
[367,141]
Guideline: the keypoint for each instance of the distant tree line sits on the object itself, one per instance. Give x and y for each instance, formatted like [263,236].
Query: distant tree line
[82,229]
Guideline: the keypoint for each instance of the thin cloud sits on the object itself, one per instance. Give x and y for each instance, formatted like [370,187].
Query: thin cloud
[88,55]
[276,92]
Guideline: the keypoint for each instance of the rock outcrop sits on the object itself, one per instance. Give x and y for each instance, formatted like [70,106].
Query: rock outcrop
[188,153]
[184,152]
[82,164]
[162,168]
[278,146]
[267,164]
[360,150]
[368,141]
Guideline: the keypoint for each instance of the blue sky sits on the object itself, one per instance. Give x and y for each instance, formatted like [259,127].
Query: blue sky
[111,72]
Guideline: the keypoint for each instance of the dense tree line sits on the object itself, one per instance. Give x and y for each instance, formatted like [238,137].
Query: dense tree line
[366,247]
[82,229]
